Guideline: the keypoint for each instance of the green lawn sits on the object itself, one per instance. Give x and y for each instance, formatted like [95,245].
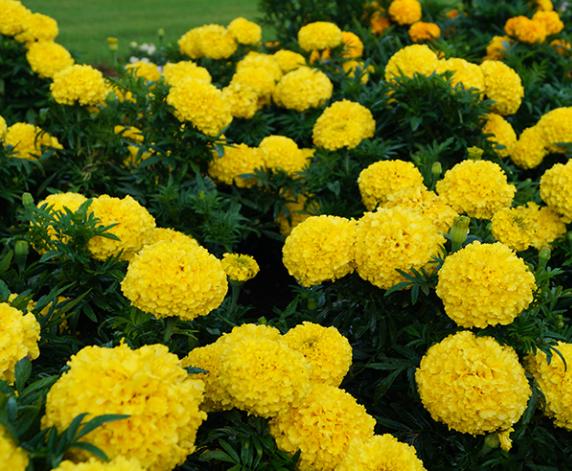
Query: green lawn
[85,24]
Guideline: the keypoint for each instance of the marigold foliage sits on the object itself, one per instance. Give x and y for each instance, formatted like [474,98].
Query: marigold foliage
[502,85]
[319,35]
[473,384]
[467,74]
[422,31]
[239,267]
[79,84]
[116,464]
[29,141]
[47,58]
[11,457]
[502,133]
[405,12]
[411,60]
[245,32]
[556,189]
[302,89]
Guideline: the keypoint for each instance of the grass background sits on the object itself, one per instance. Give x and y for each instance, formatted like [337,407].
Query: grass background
[86,24]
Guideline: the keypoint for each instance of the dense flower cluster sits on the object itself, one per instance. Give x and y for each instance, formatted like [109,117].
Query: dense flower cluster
[405,12]
[28,141]
[319,35]
[11,457]
[282,153]
[410,60]
[145,70]
[38,27]
[239,267]
[212,41]
[422,31]
[116,464]
[81,84]
[14,17]
[175,72]
[302,89]
[48,58]
[235,163]
[502,85]
[556,189]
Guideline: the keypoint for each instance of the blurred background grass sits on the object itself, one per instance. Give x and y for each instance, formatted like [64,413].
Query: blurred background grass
[86,24]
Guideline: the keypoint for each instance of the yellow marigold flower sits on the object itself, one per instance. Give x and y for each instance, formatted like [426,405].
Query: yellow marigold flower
[59,202]
[477,188]
[394,239]
[18,339]
[378,23]
[426,202]
[544,5]
[263,376]
[467,74]
[216,42]
[117,464]
[38,27]
[385,177]
[380,452]
[551,21]
[352,45]
[258,78]
[132,225]
[485,285]
[502,134]
[556,189]
[529,150]
[48,58]
[245,32]
[159,234]
[81,84]
[526,226]
[265,62]
[422,31]
[320,249]
[473,384]
[525,30]
[405,12]
[497,47]
[141,383]
[239,267]
[3,128]
[14,17]
[255,331]
[282,153]
[11,457]
[503,85]
[343,124]
[297,211]
[236,162]
[288,60]
[411,60]
[322,427]
[352,67]
[319,35]
[302,89]
[328,352]
[556,128]
[192,281]
[244,100]
[555,382]
[144,70]
[202,104]
[189,43]
[130,133]
[29,141]
[561,46]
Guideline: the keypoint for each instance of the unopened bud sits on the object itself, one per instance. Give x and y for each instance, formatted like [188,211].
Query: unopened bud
[492,441]
[161,33]
[544,255]
[436,170]
[459,232]
[475,153]
[27,200]
[112,43]
[21,250]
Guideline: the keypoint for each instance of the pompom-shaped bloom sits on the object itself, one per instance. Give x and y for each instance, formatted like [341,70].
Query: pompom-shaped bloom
[302,89]
[405,12]
[235,164]
[282,153]
[288,60]
[38,27]
[145,70]
[81,84]
[485,285]
[379,22]
[555,382]
[244,101]
[11,457]
[159,234]
[497,47]
[319,35]
[259,78]
[550,20]
[467,74]
[239,267]
[322,427]
[189,43]
[132,225]
[18,339]
[477,188]
[145,384]
[472,384]
[544,5]
[202,104]
[245,32]
[47,58]
[502,133]
[422,31]
[504,86]
[411,60]
[174,72]
[385,177]
[215,42]
[320,249]
[529,150]
[555,128]
[394,239]
[328,352]
[117,464]
[526,226]
[381,452]
[259,60]
[263,376]
[343,124]
[61,201]
[556,189]
[525,30]
[352,45]
[192,281]
[14,17]
[29,141]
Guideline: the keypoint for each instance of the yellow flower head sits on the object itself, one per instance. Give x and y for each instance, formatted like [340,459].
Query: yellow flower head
[297,211]
[144,70]
[258,78]
[497,47]
[239,267]
[411,60]
[544,5]
[556,128]
[379,22]
[422,31]
[159,234]
[14,17]
[174,72]
[144,384]
[473,384]
[322,427]
[288,60]
[189,43]
[38,27]
[47,58]
[117,464]
[245,32]
[59,203]
[320,249]
[343,124]
[550,20]
[405,12]
[380,452]
[3,128]
[525,30]
[236,162]
[485,285]
[529,150]
[556,189]
[467,74]
[385,177]
[282,153]
[244,101]
[211,41]
[561,46]
[302,89]
[81,84]
[11,457]
[502,134]
[319,35]
[477,188]
[264,62]
[395,239]
[504,86]
[29,141]
[328,352]
[132,225]
[352,45]
[201,104]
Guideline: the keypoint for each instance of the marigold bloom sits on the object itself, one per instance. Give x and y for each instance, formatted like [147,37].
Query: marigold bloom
[319,35]
[302,89]
[467,74]
[3,128]
[561,46]
[48,58]
[379,22]
[239,267]
[162,233]
[116,464]
[556,189]
[14,17]
[145,70]
[245,32]
[29,141]
[526,30]
[411,60]
[352,45]
[174,72]
[504,86]
[497,47]
[529,150]
[38,27]
[550,20]
[282,153]
[502,134]
[288,60]
[405,12]
[81,84]
[12,457]
[555,128]
[422,31]
[215,42]
[236,162]
[59,203]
